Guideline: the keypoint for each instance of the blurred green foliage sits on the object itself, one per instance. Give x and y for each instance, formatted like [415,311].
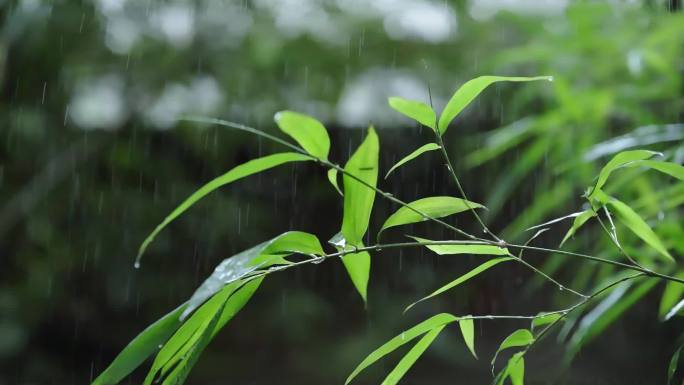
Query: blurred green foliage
[92,157]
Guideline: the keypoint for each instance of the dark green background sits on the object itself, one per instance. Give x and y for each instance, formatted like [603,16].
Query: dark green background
[80,190]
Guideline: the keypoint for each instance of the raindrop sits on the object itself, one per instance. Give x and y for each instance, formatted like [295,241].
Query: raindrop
[136,265]
[403,336]
[560,288]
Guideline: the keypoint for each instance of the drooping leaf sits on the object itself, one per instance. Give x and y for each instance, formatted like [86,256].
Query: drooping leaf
[620,160]
[672,169]
[469,91]
[358,268]
[418,111]
[520,337]
[516,369]
[187,335]
[143,345]
[179,354]
[422,149]
[544,319]
[674,361]
[332,178]
[403,338]
[435,207]
[467,326]
[671,295]
[577,223]
[463,248]
[358,203]
[412,356]
[252,167]
[307,131]
[461,279]
[258,257]
[638,226]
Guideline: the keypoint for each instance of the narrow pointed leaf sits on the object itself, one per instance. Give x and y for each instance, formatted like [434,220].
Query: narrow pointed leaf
[520,337]
[461,279]
[418,111]
[620,160]
[332,178]
[672,169]
[516,369]
[577,223]
[252,167]
[358,267]
[142,346]
[403,338]
[422,149]
[411,357]
[185,337]
[467,326]
[258,257]
[463,248]
[359,198]
[544,319]
[469,91]
[307,131]
[638,226]
[358,204]
[434,207]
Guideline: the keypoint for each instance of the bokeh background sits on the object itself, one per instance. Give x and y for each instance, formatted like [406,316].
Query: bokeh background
[92,157]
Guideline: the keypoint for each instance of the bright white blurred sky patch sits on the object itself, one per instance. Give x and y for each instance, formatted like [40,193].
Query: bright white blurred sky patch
[364,100]
[99,104]
[202,96]
[486,9]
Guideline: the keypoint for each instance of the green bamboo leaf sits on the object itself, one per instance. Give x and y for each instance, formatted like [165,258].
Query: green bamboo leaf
[185,337]
[671,295]
[403,338]
[418,111]
[544,319]
[577,223]
[332,178]
[358,198]
[435,207]
[180,353]
[638,226]
[463,248]
[252,167]
[469,91]
[520,337]
[516,369]
[461,279]
[467,326]
[411,357]
[672,368]
[307,131]
[672,169]
[358,204]
[142,346]
[258,257]
[622,159]
[358,266]
[422,149]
